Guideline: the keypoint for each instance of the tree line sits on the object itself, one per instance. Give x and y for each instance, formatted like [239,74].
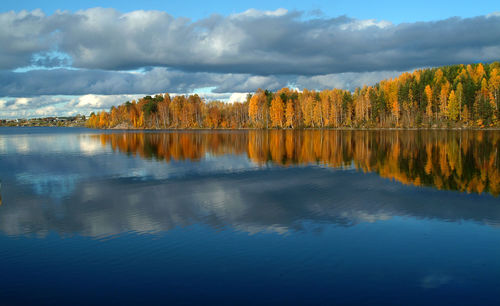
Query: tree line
[450,96]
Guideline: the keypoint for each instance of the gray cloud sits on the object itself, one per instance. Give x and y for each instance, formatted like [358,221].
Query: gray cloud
[22,35]
[79,82]
[100,82]
[348,80]
[253,42]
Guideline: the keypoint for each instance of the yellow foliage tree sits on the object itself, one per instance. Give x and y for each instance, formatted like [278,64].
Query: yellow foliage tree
[428,96]
[289,114]
[277,112]
[453,110]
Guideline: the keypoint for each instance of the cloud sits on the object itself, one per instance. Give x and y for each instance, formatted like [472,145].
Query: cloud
[22,35]
[238,97]
[158,80]
[245,83]
[253,42]
[80,82]
[348,80]
[42,106]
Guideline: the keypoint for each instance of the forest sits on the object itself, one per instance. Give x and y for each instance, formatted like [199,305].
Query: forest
[457,96]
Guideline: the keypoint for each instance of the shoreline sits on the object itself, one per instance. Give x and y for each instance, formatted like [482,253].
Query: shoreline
[270,129]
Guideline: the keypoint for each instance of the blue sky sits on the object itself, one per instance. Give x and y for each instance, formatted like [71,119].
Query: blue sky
[396,11]
[67,57]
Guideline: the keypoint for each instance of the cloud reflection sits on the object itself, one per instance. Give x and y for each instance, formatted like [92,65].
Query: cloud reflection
[223,183]
[275,200]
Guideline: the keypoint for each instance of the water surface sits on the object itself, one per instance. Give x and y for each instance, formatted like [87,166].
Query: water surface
[234,217]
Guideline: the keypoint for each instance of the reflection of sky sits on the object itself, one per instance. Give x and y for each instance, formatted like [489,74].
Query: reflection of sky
[52,163]
[54,186]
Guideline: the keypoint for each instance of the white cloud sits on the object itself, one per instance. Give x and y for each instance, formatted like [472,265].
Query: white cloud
[101,101]
[357,25]
[253,13]
[238,97]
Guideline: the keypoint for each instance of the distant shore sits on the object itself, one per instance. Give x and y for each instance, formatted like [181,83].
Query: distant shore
[73,121]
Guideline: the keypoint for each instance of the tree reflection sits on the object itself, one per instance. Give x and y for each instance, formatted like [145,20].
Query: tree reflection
[466,161]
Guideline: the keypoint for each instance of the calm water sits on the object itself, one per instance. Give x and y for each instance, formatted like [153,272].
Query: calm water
[252,217]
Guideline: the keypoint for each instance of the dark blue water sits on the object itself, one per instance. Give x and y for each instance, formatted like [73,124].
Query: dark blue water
[90,217]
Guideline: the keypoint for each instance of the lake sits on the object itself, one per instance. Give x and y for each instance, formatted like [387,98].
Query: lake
[249,217]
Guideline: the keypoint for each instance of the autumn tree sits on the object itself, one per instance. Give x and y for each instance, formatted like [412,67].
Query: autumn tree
[443,99]
[460,99]
[453,110]
[428,95]
[258,109]
[164,111]
[289,114]
[277,112]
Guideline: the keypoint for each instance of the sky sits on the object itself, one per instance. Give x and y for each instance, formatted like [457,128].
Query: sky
[66,57]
